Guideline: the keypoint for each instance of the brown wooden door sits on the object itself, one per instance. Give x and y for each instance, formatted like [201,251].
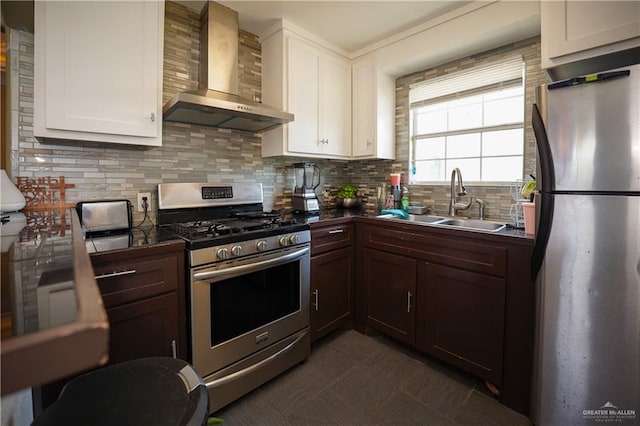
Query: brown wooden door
[142,329]
[331,290]
[461,318]
[390,285]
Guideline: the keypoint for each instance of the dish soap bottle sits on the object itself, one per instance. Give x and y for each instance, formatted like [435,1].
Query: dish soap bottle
[405,198]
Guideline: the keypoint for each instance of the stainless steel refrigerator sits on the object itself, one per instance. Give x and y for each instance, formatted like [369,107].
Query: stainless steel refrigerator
[586,259]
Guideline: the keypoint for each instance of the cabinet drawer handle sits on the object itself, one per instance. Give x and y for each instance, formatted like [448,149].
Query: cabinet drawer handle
[409,302]
[336,231]
[116,274]
[315,293]
[174,351]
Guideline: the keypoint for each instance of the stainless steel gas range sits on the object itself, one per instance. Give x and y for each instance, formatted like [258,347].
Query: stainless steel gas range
[248,284]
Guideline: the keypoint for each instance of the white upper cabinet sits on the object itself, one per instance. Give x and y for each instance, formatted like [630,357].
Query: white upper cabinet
[314,85]
[373,112]
[335,106]
[573,31]
[98,71]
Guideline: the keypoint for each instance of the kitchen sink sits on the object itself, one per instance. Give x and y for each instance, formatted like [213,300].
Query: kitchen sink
[425,218]
[460,223]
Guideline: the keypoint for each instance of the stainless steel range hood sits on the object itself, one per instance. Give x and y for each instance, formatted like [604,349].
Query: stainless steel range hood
[216,103]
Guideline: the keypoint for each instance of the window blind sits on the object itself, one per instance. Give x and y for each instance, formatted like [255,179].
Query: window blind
[453,85]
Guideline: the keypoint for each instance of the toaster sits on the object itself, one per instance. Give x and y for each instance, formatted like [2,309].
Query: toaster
[105,216]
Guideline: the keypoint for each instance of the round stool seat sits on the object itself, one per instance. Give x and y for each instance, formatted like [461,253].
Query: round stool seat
[148,391]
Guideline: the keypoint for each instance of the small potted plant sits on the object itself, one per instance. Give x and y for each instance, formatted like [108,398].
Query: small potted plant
[348,196]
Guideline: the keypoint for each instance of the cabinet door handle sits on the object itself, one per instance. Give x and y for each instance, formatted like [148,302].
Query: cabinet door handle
[315,304]
[116,274]
[336,231]
[153,117]
[174,351]
[409,301]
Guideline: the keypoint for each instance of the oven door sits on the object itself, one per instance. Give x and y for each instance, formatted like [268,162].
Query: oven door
[240,307]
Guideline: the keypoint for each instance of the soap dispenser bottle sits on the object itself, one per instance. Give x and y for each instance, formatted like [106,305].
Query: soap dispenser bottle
[405,198]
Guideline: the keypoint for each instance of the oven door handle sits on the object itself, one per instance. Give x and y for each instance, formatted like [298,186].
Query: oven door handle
[246,371]
[250,267]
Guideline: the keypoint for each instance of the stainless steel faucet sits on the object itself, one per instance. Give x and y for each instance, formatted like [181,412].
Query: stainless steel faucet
[457,191]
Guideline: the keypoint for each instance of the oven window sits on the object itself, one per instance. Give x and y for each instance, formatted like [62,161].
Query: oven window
[244,303]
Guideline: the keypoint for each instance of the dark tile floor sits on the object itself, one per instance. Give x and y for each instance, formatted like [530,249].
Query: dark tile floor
[353,379]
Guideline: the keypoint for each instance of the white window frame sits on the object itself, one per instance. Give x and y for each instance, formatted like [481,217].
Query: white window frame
[480,80]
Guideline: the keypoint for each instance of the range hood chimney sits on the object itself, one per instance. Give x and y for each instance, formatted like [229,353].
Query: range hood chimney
[216,103]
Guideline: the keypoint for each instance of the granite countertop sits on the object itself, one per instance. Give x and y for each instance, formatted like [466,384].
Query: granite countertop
[137,237]
[53,319]
[149,235]
[326,216]
[37,253]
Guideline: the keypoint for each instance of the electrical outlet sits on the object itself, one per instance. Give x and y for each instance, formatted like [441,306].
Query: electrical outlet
[141,195]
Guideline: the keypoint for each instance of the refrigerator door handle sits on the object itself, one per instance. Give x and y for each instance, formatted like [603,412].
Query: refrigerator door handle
[545,199]
[544,151]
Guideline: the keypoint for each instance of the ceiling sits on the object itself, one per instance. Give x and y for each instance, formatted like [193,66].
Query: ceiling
[341,23]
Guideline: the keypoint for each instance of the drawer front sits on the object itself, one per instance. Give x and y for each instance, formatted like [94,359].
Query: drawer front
[453,251]
[123,282]
[331,238]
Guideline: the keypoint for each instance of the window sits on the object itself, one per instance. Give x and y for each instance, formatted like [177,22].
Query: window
[473,120]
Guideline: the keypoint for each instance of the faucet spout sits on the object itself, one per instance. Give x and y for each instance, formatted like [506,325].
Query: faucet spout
[460,189]
[457,189]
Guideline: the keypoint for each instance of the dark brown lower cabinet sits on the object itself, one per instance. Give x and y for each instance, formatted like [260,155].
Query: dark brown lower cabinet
[475,298]
[389,282]
[332,278]
[331,290]
[143,329]
[143,292]
[461,318]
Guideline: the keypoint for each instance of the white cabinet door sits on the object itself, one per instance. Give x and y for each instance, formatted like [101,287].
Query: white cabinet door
[304,97]
[363,110]
[335,107]
[576,30]
[315,86]
[373,112]
[98,71]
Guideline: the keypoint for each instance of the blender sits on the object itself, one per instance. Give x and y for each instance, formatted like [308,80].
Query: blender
[307,177]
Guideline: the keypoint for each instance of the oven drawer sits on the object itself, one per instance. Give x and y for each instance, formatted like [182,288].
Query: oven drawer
[331,238]
[134,279]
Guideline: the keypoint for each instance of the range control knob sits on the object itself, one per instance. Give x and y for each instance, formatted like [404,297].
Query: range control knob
[261,245]
[236,250]
[222,253]
[293,239]
[283,241]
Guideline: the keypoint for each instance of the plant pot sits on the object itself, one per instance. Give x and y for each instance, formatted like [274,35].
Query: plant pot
[348,203]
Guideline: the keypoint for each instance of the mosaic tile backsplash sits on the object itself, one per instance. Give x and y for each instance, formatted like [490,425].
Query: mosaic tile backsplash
[201,154]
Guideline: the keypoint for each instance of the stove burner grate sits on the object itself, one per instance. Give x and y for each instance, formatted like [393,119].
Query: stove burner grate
[222,227]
